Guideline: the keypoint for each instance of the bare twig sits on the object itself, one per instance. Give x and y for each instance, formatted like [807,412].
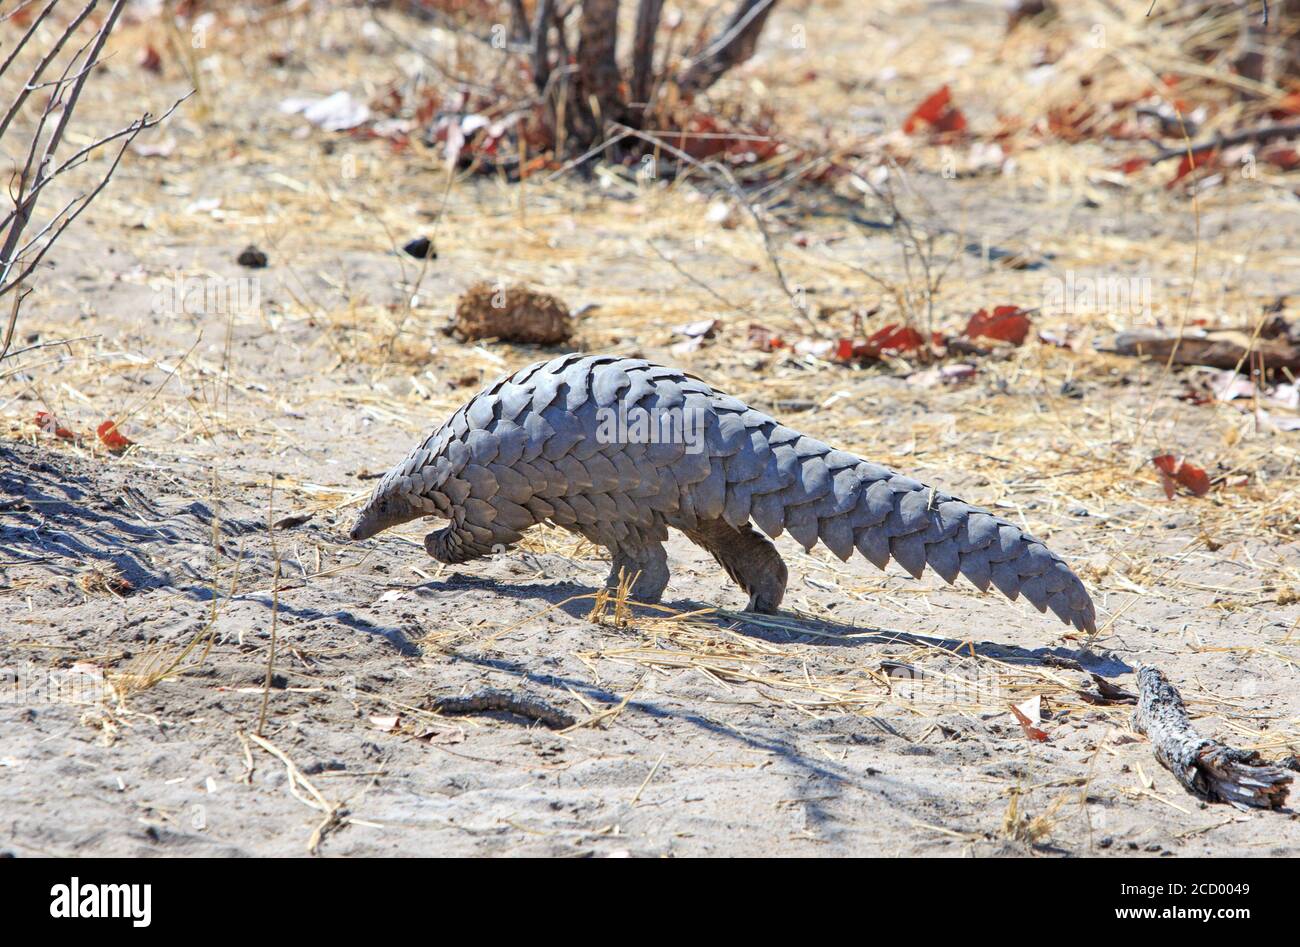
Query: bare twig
[734,46]
[1260,134]
[495,701]
[723,174]
[19,254]
[31,30]
[275,609]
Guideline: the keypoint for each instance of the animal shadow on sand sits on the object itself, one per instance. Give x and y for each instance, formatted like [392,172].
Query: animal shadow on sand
[576,600]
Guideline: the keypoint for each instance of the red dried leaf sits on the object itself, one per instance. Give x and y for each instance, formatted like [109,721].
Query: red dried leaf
[1006,324]
[953,121]
[892,339]
[1287,107]
[1175,472]
[895,338]
[1071,122]
[47,423]
[1189,163]
[1132,165]
[930,110]
[112,438]
[939,113]
[1027,725]
[150,60]
[1281,156]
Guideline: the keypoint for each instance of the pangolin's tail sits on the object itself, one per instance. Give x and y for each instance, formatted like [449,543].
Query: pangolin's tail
[817,493]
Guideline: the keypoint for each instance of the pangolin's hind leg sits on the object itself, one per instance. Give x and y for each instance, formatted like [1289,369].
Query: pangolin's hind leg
[646,564]
[749,558]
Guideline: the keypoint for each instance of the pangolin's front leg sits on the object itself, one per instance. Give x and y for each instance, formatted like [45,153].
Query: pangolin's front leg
[456,544]
[749,558]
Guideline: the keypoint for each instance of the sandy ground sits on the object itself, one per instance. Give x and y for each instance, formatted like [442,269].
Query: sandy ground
[138,593]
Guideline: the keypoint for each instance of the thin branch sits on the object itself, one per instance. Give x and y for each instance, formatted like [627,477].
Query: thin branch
[736,44]
[18,47]
[31,266]
[23,215]
[733,188]
[13,322]
[1260,134]
[45,60]
[643,53]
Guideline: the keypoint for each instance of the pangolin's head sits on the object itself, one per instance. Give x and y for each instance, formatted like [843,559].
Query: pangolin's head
[388,506]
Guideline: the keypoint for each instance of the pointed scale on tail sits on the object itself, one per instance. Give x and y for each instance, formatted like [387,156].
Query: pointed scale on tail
[561,442]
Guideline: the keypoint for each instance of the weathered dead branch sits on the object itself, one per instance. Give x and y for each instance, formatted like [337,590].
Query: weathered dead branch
[1219,349]
[496,701]
[1206,768]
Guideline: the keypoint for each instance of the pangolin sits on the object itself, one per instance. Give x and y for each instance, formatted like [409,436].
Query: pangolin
[619,449]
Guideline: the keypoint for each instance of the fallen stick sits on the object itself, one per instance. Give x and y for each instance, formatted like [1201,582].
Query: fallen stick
[1107,693]
[1261,134]
[1206,768]
[1219,349]
[490,701]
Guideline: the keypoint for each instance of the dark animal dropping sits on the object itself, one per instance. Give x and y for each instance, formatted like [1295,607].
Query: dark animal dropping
[421,248]
[252,258]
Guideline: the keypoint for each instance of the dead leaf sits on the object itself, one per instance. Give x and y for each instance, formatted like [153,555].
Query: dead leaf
[150,60]
[764,339]
[953,374]
[1032,708]
[1005,324]
[892,339]
[1175,472]
[386,724]
[1027,725]
[336,113]
[938,112]
[702,328]
[1106,693]
[1281,156]
[1190,162]
[49,425]
[112,438]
